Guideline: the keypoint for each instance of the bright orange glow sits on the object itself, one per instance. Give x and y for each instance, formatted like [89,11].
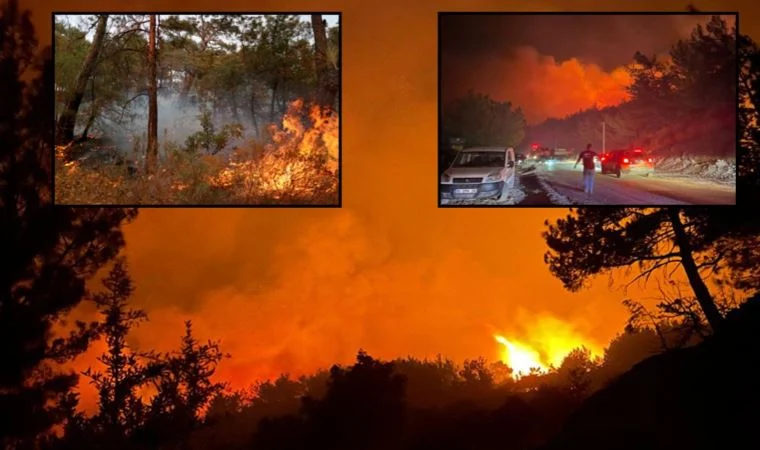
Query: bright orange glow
[290,166]
[543,343]
[299,289]
[519,357]
[533,82]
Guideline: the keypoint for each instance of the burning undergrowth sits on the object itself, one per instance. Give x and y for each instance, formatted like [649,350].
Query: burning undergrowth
[300,165]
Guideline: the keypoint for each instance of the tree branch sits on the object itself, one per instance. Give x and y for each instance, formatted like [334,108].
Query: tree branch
[648,272]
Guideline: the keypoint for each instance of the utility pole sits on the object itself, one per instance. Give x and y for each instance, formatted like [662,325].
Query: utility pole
[604,135]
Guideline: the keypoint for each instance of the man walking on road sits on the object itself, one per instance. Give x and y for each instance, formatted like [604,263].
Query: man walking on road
[589,169]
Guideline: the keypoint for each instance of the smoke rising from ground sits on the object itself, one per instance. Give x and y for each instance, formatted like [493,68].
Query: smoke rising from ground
[178,118]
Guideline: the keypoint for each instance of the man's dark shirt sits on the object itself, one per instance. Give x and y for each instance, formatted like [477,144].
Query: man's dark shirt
[588,159]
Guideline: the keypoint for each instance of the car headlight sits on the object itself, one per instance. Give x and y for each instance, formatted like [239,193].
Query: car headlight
[445,178]
[494,176]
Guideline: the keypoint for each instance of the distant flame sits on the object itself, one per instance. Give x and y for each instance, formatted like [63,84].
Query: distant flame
[520,357]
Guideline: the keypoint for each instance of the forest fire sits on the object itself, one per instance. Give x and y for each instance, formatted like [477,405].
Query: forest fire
[546,349]
[520,357]
[300,163]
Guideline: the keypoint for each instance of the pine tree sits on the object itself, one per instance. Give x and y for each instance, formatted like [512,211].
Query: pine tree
[121,410]
[46,254]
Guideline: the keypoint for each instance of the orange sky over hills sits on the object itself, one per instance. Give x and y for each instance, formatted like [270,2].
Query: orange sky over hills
[292,290]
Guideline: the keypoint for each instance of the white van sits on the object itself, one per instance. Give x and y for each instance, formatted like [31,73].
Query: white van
[479,172]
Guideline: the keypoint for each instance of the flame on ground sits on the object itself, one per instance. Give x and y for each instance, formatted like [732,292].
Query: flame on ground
[301,162]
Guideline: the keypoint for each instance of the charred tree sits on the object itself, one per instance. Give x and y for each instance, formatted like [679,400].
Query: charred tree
[67,121]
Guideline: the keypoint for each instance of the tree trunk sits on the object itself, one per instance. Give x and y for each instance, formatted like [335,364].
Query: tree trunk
[152,155]
[273,103]
[93,114]
[704,298]
[67,121]
[283,104]
[327,77]
[254,107]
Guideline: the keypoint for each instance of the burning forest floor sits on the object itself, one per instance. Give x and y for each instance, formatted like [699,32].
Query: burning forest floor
[298,166]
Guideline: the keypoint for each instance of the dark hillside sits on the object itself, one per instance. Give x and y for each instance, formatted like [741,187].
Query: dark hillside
[702,397]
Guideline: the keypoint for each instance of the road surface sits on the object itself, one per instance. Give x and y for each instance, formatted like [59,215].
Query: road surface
[566,183]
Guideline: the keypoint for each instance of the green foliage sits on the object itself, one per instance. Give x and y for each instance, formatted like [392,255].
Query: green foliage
[208,139]
[71,48]
[481,121]
[333,46]
[278,50]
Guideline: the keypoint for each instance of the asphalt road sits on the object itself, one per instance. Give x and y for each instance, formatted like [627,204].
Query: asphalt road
[658,189]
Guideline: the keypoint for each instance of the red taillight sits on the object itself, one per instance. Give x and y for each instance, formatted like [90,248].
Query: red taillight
[626,160]
[602,158]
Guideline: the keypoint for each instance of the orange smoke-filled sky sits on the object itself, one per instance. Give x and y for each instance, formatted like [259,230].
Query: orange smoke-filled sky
[292,290]
[552,65]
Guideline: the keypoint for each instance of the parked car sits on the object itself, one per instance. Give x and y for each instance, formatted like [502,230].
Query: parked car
[478,172]
[619,162]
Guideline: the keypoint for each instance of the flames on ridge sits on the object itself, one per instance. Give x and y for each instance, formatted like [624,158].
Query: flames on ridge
[520,357]
[543,348]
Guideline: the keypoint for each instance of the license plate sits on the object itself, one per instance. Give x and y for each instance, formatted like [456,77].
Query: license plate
[465,191]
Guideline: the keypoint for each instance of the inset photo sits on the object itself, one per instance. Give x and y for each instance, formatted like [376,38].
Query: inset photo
[169,109]
[542,109]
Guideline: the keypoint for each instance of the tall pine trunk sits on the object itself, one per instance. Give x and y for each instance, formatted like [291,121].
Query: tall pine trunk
[704,298]
[327,78]
[66,123]
[152,156]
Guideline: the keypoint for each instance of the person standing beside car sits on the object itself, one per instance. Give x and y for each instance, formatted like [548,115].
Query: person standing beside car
[589,169]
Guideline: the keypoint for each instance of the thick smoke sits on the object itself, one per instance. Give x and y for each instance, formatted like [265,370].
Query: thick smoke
[553,65]
[179,117]
[540,85]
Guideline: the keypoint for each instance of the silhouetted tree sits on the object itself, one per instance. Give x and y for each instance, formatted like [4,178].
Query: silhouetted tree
[749,118]
[363,408]
[120,408]
[185,390]
[593,241]
[46,253]
[428,383]
[703,68]
[576,371]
